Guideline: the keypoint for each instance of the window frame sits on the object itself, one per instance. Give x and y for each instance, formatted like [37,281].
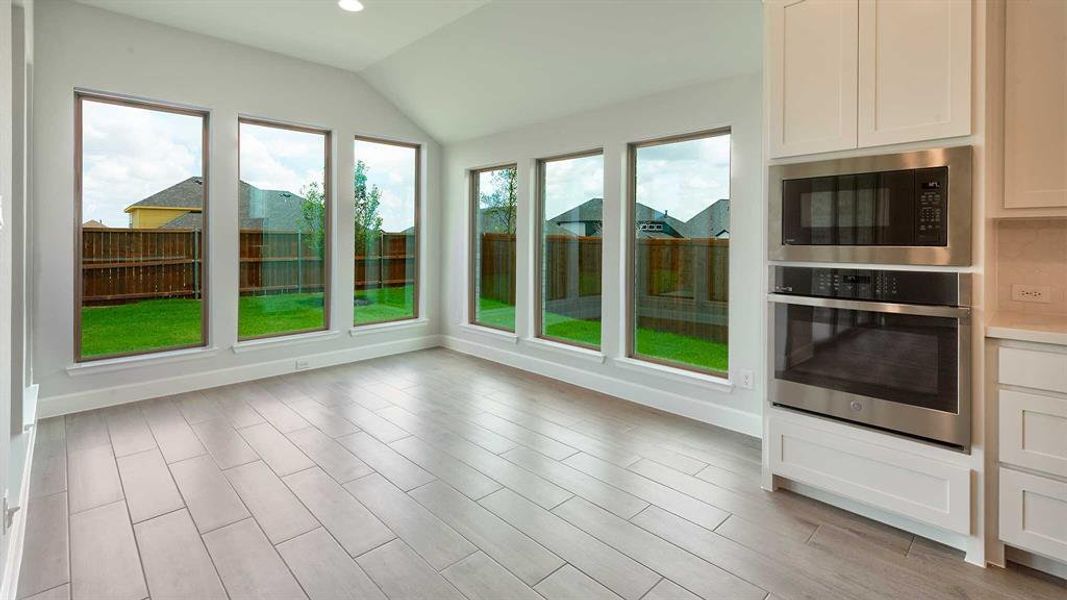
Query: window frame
[474,176]
[631,247]
[538,254]
[327,190]
[415,296]
[80,96]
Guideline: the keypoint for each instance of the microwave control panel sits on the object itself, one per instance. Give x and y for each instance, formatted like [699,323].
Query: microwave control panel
[931,191]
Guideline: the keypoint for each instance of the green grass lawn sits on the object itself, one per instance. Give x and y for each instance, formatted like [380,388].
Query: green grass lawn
[171,323]
[662,345]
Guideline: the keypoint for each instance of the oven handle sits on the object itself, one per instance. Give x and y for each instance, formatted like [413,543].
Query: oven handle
[882,307]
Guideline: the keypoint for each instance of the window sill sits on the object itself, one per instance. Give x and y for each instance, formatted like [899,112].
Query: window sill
[387,326]
[674,373]
[566,349]
[283,340]
[499,334]
[142,360]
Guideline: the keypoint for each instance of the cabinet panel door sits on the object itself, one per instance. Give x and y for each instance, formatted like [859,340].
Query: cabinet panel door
[1035,105]
[811,75]
[914,70]
[1033,431]
[1033,513]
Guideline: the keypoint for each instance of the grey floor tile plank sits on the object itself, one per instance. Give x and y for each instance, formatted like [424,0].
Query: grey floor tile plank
[172,432]
[470,431]
[129,431]
[650,450]
[324,419]
[569,583]
[278,452]
[402,472]
[277,511]
[514,550]
[211,499]
[150,490]
[778,576]
[369,421]
[225,446]
[619,573]
[338,463]
[45,553]
[248,565]
[92,478]
[479,577]
[231,400]
[453,471]
[51,437]
[104,561]
[197,408]
[61,592]
[531,439]
[656,493]
[277,414]
[325,570]
[351,523]
[691,572]
[176,563]
[577,482]
[48,475]
[433,540]
[86,430]
[402,574]
[668,590]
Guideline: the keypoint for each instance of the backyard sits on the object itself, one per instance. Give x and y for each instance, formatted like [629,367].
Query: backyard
[118,329]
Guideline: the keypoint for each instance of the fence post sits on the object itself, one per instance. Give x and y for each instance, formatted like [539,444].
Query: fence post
[299,262]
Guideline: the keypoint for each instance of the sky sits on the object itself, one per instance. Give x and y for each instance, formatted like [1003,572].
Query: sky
[570,182]
[131,153]
[684,178]
[392,169]
[273,158]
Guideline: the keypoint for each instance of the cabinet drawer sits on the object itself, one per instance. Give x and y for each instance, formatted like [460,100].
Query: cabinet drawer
[1033,513]
[1033,431]
[1034,369]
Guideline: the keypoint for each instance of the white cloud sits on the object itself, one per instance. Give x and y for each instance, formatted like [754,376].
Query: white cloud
[392,169]
[684,178]
[281,159]
[571,182]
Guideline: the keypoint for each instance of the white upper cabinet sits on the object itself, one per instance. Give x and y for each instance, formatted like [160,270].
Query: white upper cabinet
[914,70]
[845,74]
[811,75]
[1035,105]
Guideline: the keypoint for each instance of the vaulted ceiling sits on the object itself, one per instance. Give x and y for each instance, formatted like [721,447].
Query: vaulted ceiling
[468,68]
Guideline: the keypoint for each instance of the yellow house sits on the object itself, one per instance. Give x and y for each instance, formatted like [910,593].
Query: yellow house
[155,211]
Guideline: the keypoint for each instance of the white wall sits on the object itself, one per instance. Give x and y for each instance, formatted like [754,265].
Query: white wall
[83,47]
[733,102]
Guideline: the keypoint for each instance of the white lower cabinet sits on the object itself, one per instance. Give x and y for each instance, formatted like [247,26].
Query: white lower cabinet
[884,474]
[1033,513]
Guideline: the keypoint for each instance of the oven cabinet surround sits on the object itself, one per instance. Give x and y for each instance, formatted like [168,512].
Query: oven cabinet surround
[928,486]
[846,74]
[1035,105]
[1032,425]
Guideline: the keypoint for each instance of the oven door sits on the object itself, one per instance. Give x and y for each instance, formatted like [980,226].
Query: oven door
[899,367]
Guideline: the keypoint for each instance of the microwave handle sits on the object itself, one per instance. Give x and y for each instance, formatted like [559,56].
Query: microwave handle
[870,306]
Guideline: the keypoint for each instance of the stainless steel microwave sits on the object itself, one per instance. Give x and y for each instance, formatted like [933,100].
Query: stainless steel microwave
[912,208]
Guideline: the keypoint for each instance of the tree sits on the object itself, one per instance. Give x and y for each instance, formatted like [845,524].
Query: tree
[314,210]
[501,206]
[368,221]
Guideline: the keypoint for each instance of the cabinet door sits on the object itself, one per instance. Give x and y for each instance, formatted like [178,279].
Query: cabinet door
[914,70]
[811,75]
[1035,105]
[1033,513]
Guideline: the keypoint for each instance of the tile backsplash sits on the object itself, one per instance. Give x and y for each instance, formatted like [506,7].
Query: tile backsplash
[1032,252]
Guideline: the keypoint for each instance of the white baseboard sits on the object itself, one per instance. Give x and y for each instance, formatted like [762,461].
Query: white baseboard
[71,403]
[1036,561]
[655,397]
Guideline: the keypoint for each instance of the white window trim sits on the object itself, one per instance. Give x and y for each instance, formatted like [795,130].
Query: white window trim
[400,324]
[674,373]
[140,360]
[499,334]
[568,350]
[283,340]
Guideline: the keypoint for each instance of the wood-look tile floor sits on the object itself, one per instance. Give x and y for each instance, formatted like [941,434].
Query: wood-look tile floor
[436,475]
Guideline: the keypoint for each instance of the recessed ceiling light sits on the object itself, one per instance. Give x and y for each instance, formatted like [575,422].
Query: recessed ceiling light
[350,5]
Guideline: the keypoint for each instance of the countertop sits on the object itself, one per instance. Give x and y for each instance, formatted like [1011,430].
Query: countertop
[1028,327]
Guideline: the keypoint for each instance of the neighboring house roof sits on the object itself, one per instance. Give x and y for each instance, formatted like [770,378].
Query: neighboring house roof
[187,194]
[672,227]
[268,210]
[712,222]
[590,210]
[93,224]
[551,228]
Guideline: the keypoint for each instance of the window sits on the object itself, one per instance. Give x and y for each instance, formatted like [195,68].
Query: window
[680,215]
[571,208]
[386,177]
[141,199]
[283,212]
[494,217]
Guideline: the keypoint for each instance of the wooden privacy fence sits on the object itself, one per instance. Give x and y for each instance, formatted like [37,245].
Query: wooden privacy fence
[124,265]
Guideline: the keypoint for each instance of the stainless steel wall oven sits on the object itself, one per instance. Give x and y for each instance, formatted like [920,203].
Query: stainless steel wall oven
[888,349]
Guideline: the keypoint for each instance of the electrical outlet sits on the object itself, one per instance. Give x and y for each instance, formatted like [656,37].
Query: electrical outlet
[301,364]
[746,378]
[1031,293]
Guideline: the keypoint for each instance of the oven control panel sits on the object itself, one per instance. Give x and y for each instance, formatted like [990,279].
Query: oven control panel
[907,287]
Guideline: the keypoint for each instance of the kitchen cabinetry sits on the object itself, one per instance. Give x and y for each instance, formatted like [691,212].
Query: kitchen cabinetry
[1032,398]
[1035,104]
[845,74]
